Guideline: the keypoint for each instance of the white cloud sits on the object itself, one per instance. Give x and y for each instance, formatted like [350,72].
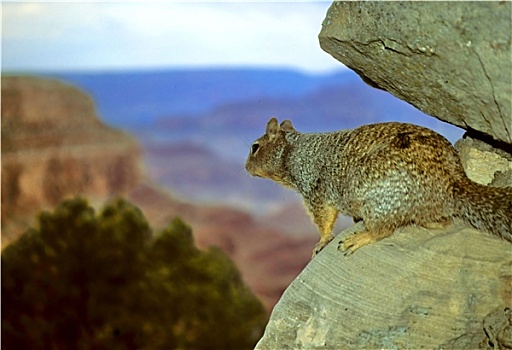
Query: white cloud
[97,35]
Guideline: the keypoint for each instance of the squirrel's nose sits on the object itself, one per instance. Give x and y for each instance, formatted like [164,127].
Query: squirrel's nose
[250,169]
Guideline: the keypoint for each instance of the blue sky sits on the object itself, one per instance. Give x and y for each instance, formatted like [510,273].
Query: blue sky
[133,35]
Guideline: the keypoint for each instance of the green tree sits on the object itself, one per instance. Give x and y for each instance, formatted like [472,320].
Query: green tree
[100,281]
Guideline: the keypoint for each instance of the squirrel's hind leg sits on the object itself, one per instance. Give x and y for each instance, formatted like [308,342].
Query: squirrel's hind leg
[350,244]
[439,224]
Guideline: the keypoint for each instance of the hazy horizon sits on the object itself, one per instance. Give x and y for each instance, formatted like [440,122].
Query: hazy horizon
[106,36]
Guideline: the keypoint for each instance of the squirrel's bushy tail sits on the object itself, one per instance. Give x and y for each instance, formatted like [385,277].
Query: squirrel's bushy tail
[485,208]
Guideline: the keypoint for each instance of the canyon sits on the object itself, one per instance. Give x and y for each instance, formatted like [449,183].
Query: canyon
[54,146]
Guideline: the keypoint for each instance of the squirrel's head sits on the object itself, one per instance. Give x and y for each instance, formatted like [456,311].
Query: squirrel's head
[266,153]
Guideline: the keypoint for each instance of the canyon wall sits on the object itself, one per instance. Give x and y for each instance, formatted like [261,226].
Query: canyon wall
[54,146]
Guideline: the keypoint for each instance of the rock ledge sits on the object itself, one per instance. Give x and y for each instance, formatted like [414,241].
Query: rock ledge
[419,288]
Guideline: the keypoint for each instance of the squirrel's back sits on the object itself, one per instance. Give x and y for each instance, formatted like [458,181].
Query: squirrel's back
[431,170]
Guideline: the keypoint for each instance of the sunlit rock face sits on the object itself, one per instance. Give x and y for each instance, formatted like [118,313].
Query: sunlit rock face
[419,288]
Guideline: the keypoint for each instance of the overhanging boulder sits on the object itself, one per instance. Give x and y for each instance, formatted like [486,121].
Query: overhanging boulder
[452,60]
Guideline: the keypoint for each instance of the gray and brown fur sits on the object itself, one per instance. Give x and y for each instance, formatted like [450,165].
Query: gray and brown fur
[389,175]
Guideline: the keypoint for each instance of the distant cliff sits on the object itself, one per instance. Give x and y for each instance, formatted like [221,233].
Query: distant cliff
[54,146]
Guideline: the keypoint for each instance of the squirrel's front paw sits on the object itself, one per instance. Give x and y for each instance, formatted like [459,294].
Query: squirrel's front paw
[316,251]
[320,245]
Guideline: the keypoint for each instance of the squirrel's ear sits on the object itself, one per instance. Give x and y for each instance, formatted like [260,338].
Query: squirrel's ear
[272,127]
[287,126]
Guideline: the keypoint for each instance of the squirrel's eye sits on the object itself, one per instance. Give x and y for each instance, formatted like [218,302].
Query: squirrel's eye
[254,148]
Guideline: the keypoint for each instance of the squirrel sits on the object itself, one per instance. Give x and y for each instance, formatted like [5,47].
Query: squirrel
[389,175]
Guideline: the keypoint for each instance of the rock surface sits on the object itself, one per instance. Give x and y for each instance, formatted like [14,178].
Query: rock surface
[485,164]
[419,288]
[449,59]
